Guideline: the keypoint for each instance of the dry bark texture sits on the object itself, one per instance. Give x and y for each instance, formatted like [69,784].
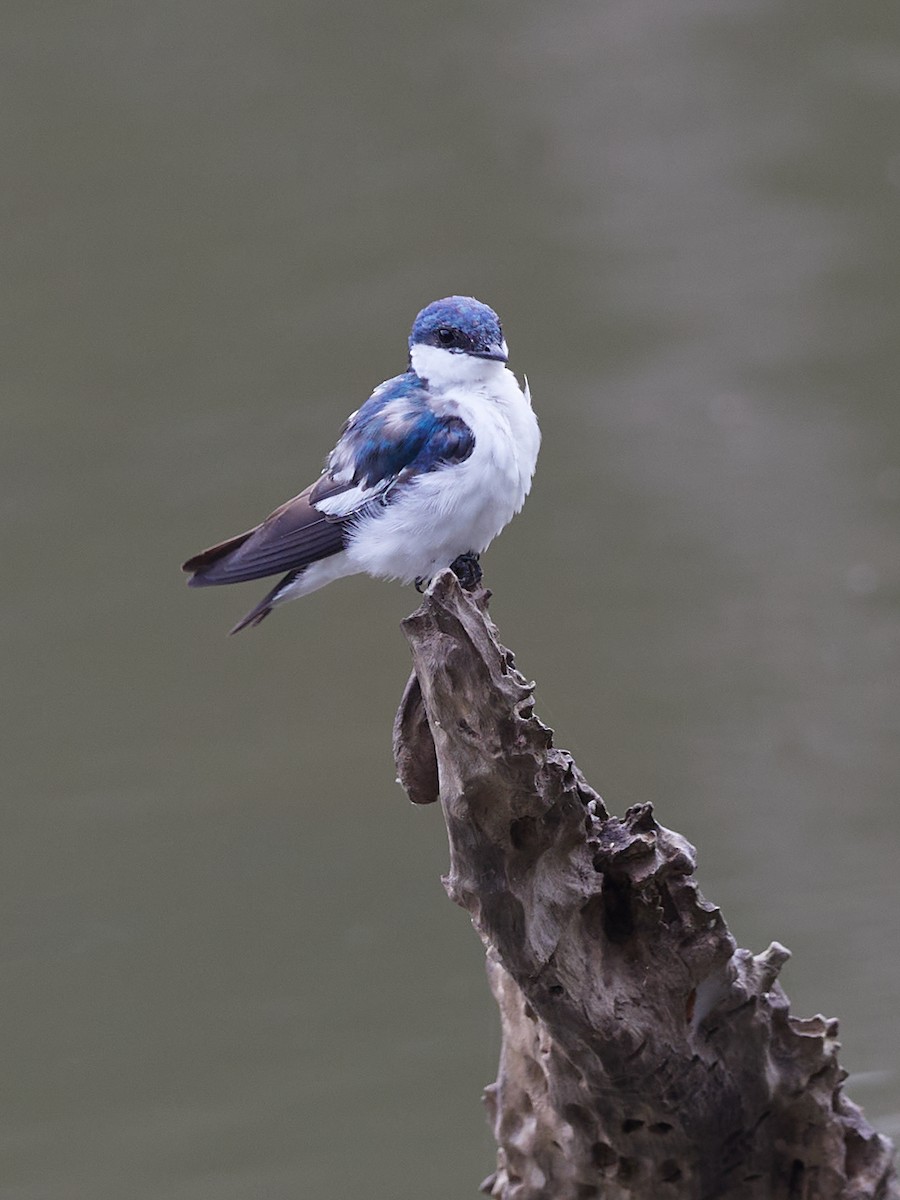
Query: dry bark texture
[644,1056]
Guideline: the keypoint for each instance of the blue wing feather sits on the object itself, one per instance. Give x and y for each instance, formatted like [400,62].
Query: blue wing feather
[395,436]
[396,432]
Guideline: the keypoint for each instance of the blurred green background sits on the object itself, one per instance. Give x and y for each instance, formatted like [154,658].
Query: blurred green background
[229,969]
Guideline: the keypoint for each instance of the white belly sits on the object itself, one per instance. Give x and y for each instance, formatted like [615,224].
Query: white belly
[463,506]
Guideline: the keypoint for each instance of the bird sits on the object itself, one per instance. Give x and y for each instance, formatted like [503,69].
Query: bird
[424,474]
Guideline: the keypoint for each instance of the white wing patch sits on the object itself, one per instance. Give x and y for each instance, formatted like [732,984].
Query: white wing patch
[344,504]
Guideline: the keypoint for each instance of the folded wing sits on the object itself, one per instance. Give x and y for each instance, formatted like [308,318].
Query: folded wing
[293,536]
[395,436]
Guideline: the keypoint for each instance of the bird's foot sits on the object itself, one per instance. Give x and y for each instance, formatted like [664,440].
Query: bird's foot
[467,570]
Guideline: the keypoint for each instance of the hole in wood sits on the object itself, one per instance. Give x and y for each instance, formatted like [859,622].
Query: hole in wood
[627,1168]
[522,832]
[618,918]
[795,1183]
[603,1155]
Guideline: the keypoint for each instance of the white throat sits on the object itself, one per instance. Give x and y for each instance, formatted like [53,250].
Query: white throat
[444,369]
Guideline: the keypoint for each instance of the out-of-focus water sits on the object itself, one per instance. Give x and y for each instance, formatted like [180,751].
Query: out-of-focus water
[228,966]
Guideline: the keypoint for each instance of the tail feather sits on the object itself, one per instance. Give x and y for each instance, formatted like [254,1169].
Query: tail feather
[260,611]
[252,618]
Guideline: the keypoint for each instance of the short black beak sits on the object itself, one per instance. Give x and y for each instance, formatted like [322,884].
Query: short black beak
[497,353]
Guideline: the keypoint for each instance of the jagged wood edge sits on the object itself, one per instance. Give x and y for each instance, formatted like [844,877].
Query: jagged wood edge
[643,1053]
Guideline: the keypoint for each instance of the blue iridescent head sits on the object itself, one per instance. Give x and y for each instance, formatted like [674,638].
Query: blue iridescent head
[460,325]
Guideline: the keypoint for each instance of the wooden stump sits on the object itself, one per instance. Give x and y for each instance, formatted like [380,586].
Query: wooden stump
[644,1056]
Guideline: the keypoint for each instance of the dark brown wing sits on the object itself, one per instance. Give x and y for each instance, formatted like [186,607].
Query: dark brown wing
[293,536]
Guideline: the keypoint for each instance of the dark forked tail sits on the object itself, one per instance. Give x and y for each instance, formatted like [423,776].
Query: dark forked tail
[265,606]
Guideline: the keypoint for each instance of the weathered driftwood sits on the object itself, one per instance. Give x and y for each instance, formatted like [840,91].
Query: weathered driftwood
[644,1056]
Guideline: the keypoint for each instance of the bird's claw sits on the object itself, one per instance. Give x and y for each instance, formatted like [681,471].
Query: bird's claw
[467,570]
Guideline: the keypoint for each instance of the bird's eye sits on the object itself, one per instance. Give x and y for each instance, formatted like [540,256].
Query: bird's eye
[445,336]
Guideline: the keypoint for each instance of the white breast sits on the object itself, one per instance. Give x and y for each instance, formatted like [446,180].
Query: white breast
[463,506]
